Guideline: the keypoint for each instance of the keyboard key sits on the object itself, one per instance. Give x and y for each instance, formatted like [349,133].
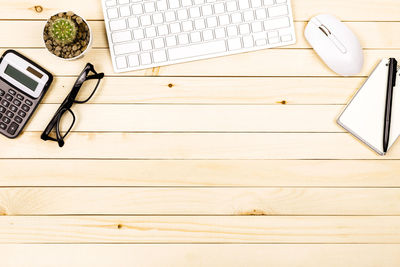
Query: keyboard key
[231,6]
[162,5]
[151,32]
[261,42]
[171,40]
[111,3]
[146,45]
[145,20]
[112,13]
[133,60]
[197,50]
[234,44]
[186,3]
[117,25]
[195,37]
[244,29]
[244,4]
[145,58]
[287,38]
[236,17]
[123,2]
[158,18]
[138,34]
[149,7]
[121,64]
[137,9]
[232,31]
[273,24]
[169,16]
[255,3]
[256,26]
[159,56]
[261,13]
[248,15]
[174,4]
[126,48]
[208,35]
[224,20]
[248,41]
[199,24]
[212,22]
[162,30]
[278,11]
[182,14]
[183,39]
[274,40]
[219,8]
[175,27]
[125,11]
[207,10]
[133,22]
[119,37]
[187,26]
[159,43]
[220,33]
[194,12]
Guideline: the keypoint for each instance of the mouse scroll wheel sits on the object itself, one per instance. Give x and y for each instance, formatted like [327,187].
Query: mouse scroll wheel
[325,30]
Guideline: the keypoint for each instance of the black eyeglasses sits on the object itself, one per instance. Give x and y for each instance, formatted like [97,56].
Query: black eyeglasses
[60,121]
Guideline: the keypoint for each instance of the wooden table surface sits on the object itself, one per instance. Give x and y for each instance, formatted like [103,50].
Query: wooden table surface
[232,161]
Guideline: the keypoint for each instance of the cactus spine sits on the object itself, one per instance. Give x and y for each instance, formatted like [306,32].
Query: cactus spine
[63,30]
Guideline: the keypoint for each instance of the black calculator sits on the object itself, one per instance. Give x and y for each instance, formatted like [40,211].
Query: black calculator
[23,84]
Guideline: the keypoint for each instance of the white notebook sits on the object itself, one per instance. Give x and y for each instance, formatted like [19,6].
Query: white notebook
[365,114]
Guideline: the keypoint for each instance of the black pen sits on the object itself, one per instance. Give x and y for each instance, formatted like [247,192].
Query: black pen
[389,100]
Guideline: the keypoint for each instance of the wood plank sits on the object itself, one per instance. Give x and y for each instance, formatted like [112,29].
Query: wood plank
[200,229]
[194,146]
[195,118]
[251,64]
[384,10]
[277,173]
[373,35]
[182,255]
[204,90]
[199,201]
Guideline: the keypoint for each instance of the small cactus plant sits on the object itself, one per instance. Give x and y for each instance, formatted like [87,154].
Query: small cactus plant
[66,35]
[63,31]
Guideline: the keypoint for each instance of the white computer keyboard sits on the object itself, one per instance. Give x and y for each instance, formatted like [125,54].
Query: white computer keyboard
[150,33]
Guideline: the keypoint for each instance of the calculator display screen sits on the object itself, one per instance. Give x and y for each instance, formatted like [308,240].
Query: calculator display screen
[21,77]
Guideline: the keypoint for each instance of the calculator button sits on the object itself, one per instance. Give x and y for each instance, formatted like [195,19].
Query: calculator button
[2,92]
[6,120]
[5,103]
[17,102]
[2,109]
[13,128]
[28,102]
[13,108]
[11,92]
[21,114]
[20,97]
[3,126]
[9,114]
[9,97]
[18,119]
[25,108]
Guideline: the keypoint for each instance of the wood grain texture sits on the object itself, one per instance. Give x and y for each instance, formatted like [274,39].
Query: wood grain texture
[194,146]
[195,118]
[372,35]
[251,64]
[200,229]
[182,255]
[200,201]
[232,173]
[355,10]
[221,90]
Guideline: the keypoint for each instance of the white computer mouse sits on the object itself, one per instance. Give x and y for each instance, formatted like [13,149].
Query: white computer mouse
[336,44]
